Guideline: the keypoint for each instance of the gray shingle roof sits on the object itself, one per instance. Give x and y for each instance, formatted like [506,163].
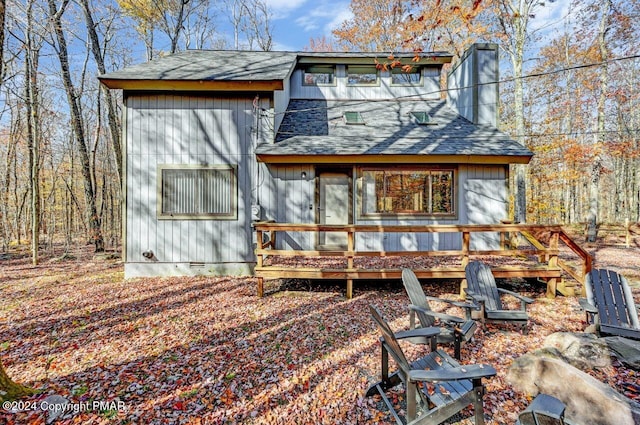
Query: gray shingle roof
[211,65]
[238,65]
[316,127]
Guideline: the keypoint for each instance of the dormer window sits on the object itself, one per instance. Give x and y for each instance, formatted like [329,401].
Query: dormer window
[353,118]
[423,118]
[319,75]
[362,75]
[401,77]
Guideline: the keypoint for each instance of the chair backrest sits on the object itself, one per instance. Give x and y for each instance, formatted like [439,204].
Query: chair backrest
[480,280]
[610,293]
[417,296]
[390,340]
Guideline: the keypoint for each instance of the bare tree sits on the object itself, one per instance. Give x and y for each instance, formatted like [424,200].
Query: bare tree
[3,14]
[251,18]
[174,13]
[257,25]
[596,169]
[147,15]
[513,19]
[200,30]
[32,102]
[77,122]
[9,390]
[98,56]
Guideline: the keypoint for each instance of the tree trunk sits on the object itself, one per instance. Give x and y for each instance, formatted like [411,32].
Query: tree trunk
[32,53]
[174,34]
[77,125]
[3,13]
[10,390]
[596,170]
[114,121]
[520,12]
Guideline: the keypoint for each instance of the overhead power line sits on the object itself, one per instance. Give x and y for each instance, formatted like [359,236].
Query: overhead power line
[506,80]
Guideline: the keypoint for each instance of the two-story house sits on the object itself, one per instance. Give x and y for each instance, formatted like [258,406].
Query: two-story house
[217,140]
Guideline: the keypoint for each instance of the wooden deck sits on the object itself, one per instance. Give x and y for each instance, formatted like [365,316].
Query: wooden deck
[350,264]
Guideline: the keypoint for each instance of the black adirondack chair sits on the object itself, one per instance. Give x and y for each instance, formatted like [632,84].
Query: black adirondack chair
[453,330]
[482,289]
[610,305]
[543,410]
[436,383]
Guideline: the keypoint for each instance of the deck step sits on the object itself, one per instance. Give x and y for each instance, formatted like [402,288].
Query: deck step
[567,288]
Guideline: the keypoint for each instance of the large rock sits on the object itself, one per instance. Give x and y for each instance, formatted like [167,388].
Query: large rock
[582,350]
[588,400]
[626,350]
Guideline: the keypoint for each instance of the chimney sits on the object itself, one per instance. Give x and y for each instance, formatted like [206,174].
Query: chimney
[472,85]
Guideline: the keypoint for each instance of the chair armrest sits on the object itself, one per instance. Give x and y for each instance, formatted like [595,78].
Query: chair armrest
[455,303]
[515,294]
[418,333]
[442,316]
[475,297]
[453,373]
[587,306]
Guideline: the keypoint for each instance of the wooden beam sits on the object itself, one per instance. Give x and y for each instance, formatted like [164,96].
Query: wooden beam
[303,158]
[441,228]
[441,272]
[193,85]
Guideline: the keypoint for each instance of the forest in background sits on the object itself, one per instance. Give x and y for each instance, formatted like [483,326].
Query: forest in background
[570,95]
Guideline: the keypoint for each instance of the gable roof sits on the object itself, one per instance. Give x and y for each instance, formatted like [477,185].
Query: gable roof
[314,131]
[206,70]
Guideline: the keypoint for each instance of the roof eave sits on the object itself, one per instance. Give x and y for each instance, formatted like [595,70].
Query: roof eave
[392,159]
[192,85]
[434,58]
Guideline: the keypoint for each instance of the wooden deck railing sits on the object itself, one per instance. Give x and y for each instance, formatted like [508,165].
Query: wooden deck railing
[550,267]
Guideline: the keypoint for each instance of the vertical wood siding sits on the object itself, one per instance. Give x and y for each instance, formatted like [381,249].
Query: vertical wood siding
[481,198]
[428,90]
[484,193]
[470,89]
[187,130]
[280,103]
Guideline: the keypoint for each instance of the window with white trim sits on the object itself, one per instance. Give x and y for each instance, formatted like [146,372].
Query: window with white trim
[362,75]
[197,192]
[319,75]
[408,191]
[406,77]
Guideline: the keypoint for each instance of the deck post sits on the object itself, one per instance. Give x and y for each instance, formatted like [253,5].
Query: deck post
[259,262]
[505,237]
[552,283]
[260,286]
[260,246]
[466,242]
[350,248]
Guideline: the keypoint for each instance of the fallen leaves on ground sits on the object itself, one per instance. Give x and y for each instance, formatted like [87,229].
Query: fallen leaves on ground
[203,350]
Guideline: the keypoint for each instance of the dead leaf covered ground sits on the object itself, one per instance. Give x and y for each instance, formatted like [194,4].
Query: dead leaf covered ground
[209,351]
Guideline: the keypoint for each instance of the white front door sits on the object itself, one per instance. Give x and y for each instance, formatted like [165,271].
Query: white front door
[333,207]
